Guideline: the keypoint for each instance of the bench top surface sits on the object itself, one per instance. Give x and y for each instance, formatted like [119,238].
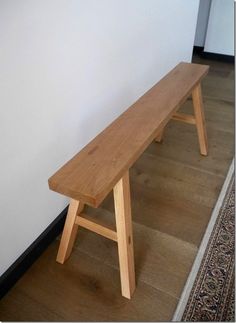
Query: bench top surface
[92,173]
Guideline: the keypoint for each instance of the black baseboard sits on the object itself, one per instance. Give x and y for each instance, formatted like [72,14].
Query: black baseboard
[199,50]
[218,57]
[31,254]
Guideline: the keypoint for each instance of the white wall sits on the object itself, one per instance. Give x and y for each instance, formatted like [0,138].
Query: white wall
[220,31]
[202,22]
[68,68]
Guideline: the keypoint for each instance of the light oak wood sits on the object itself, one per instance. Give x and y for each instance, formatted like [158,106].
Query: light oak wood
[95,227]
[184,118]
[124,235]
[179,117]
[159,137]
[69,231]
[94,171]
[200,119]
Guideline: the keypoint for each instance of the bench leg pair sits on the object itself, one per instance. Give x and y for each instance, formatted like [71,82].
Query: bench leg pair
[198,119]
[123,234]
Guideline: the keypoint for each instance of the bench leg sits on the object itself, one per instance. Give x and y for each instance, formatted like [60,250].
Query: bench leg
[200,119]
[159,137]
[69,231]
[124,235]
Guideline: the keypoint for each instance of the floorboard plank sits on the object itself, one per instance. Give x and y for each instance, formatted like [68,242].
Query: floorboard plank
[85,289]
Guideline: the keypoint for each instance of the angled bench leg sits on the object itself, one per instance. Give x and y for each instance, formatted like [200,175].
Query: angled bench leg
[69,231]
[124,235]
[159,137]
[200,119]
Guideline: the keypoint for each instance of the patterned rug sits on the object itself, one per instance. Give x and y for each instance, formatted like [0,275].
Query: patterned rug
[209,294]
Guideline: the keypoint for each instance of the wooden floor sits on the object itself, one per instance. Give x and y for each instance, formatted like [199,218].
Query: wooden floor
[173,192]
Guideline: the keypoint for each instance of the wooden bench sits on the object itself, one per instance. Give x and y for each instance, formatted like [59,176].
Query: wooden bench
[104,163]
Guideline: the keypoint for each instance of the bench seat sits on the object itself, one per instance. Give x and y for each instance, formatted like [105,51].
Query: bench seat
[91,174]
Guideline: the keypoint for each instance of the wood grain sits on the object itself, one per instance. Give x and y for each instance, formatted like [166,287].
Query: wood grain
[159,137]
[69,231]
[125,235]
[200,119]
[95,227]
[83,290]
[184,118]
[95,170]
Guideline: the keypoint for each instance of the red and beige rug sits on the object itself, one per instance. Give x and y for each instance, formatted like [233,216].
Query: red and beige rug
[209,294]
